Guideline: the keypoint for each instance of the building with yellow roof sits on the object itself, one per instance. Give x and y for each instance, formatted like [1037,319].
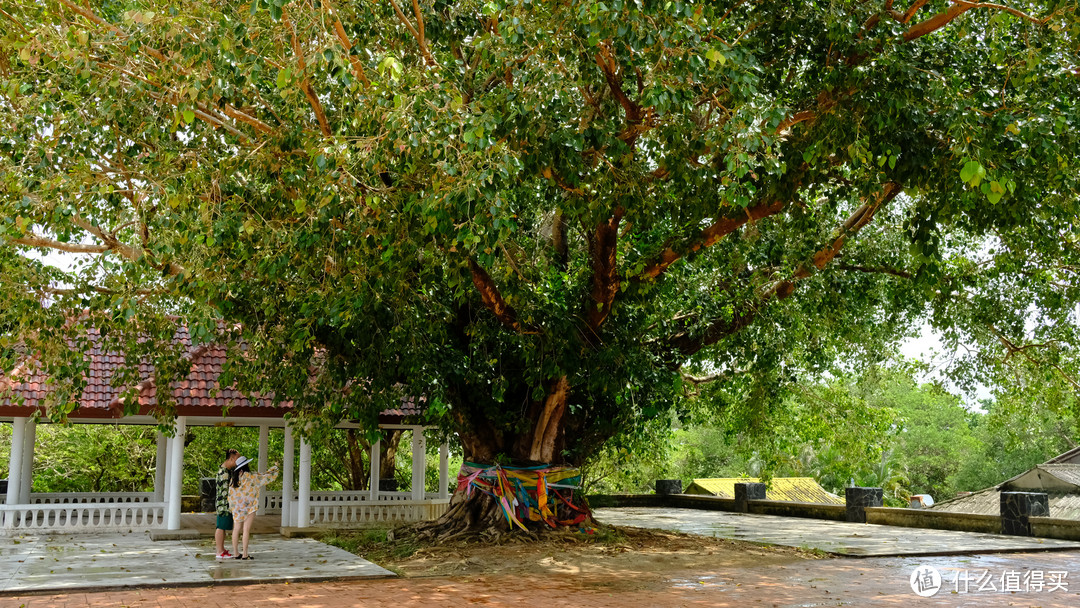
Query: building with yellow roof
[792,489]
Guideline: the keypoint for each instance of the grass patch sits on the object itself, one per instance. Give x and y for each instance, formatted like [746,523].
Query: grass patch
[372,544]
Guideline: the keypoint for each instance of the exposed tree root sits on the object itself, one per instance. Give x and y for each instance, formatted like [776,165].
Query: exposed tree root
[480,516]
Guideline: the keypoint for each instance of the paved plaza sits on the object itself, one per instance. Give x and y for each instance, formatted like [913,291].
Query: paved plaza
[967,582]
[109,561]
[838,538]
[104,571]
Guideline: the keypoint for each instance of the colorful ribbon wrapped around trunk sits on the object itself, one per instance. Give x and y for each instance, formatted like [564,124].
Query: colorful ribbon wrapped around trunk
[526,493]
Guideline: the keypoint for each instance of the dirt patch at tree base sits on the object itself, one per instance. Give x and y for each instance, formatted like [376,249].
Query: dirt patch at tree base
[615,556]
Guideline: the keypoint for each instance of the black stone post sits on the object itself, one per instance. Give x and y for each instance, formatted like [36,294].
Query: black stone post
[665,487]
[208,492]
[858,498]
[388,485]
[1017,507]
[745,492]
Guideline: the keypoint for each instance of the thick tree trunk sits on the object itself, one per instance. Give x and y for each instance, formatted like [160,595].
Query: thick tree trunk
[388,448]
[480,513]
[533,449]
[549,424]
[357,471]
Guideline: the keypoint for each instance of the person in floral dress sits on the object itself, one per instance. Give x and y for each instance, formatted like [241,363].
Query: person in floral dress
[244,489]
[221,503]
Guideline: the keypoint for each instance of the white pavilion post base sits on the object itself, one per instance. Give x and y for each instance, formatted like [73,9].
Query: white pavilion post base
[376,464]
[264,440]
[419,462]
[160,480]
[176,474]
[18,434]
[27,477]
[303,513]
[444,470]
[288,464]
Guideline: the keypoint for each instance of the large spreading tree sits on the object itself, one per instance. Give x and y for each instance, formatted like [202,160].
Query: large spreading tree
[551,219]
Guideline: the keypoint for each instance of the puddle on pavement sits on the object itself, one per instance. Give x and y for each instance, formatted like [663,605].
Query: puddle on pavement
[701,582]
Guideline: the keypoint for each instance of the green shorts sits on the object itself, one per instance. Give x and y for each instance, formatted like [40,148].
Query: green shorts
[224,522]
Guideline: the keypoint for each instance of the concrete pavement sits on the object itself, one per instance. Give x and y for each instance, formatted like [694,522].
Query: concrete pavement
[838,538]
[111,561]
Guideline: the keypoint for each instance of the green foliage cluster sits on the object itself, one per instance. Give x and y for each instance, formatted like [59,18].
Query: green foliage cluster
[541,215]
[880,429]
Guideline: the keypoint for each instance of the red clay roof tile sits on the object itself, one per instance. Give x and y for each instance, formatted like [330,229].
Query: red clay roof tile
[193,392]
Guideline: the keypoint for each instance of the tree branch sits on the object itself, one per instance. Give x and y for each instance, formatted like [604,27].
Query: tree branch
[259,125]
[202,112]
[1002,7]
[699,380]
[547,173]
[1013,349]
[795,119]
[559,242]
[62,291]
[958,8]
[875,269]
[305,83]
[134,254]
[15,21]
[855,222]
[823,104]
[111,243]
[493,300]
[417,34]
[708,237]
[603,257]
[910,13]
[34,240]
[548,424]
[685,344]
[635,115]
[343,38]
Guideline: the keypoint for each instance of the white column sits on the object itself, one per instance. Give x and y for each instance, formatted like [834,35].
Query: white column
[15,467]
[444,469]
[419,462]
[264,439]
[287,466]
[176,474]
[27,477]
[376,464]
[303,513]
[168,470]
[160,480]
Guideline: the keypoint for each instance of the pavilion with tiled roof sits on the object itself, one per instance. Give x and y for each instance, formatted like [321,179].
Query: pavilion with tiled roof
[199,401]
[1058,477]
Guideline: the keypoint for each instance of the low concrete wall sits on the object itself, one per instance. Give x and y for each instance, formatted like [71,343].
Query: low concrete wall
[935,520]
[1052,527]
[1042,527]
[785,508]
[600,501]
[697,501]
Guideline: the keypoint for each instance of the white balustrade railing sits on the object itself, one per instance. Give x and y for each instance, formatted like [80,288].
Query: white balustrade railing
[358,514]
[81,517]
[63,498]
[272,500]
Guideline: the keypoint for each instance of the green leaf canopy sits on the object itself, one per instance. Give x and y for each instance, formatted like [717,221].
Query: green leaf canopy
[545,217]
